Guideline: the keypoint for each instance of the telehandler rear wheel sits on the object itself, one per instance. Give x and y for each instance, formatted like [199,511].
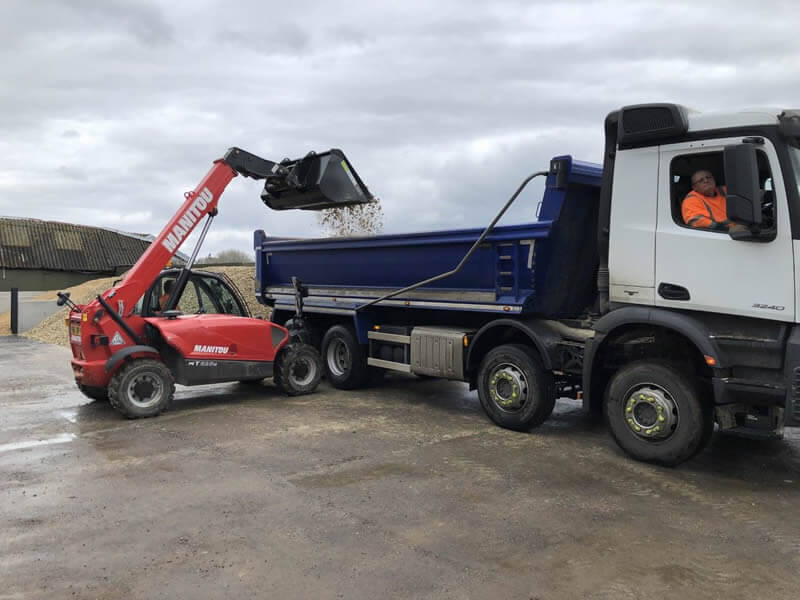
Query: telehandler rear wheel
[142,388]
[298,369]
[95,393]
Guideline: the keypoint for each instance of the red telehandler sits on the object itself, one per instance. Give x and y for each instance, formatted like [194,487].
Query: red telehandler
[135,359]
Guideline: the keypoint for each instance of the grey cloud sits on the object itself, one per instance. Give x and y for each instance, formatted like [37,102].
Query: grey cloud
[141,20]
[349,34]
[443,108]
[287,40]
[78,174]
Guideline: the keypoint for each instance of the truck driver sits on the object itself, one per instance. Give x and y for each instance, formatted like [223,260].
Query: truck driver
[704,206]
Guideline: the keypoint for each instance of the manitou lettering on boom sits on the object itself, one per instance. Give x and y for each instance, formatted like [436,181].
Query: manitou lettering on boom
[187,220]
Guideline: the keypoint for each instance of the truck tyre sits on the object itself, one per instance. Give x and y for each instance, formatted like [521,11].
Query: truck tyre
[344,358]
[95,393]
[141,388]
[657,413]
[515,391]
[298,369]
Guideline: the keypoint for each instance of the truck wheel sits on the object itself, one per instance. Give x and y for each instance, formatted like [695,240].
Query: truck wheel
[344,358]
[298,369]
[657,414]
[95,393]
[513,388]
[141,388]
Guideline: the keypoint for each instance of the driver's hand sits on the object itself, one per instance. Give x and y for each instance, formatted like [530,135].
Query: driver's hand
[737,228]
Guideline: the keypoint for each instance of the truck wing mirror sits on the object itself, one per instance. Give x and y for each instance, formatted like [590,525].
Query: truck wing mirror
[315,182]
[741,176]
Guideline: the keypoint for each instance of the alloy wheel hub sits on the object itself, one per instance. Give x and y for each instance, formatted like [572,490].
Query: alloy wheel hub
[338,358]
[144,390]
[651,413]
[302,372]
[508,388]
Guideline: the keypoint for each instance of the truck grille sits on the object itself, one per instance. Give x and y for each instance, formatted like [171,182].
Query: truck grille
[794,418]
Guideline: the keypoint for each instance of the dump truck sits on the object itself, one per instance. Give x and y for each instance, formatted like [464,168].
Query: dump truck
[608,297]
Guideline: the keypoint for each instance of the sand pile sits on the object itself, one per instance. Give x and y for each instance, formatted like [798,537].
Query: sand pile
[53,329]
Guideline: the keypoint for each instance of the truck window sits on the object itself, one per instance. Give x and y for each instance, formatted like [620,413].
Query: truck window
[683,168]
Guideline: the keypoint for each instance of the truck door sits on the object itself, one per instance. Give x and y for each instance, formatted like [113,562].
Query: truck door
[702,269]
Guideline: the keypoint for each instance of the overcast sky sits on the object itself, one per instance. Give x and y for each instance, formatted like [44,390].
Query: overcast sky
[111,109]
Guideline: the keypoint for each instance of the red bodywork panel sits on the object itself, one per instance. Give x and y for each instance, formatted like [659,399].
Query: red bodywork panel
[222,337]
[89,353]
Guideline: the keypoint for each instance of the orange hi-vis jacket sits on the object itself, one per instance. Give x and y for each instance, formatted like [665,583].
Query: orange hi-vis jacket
[705,211]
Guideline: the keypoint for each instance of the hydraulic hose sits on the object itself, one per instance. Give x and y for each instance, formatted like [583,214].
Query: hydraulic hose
[471,251]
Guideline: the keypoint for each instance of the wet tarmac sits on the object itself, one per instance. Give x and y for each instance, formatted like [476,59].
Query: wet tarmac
[400,491]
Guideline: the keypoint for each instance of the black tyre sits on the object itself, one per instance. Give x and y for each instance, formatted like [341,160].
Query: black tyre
[302,331]
[344,358]
[513,388]
[658,414]
[95,393]
[298,369]
[142,388]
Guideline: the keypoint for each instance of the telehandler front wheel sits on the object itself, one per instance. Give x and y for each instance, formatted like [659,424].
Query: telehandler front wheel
[298,369]
[141,388]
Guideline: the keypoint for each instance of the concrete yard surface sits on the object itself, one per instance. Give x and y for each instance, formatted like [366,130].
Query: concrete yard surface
[400,491]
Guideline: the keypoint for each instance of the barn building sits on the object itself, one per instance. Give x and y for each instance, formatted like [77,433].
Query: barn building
[48,255]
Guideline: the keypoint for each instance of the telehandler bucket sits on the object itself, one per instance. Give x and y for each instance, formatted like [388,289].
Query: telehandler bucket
[315,182]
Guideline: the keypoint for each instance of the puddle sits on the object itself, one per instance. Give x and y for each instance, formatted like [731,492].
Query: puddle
[69,415]
[59,439]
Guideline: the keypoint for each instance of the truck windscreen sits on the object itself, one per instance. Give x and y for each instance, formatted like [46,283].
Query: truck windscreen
[794,152]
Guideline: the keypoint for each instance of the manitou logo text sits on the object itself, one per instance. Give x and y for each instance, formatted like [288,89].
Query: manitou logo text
[188,220]
[211,349]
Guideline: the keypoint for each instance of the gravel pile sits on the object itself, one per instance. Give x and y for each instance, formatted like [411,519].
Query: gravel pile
[53,329]
[244,279]
[5,323]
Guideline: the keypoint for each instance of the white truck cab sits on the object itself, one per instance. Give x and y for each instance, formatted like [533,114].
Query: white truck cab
[716,306]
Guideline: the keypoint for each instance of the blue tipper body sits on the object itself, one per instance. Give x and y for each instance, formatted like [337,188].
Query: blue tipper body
[545,267]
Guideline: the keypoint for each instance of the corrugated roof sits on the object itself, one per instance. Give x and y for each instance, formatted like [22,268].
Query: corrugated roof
[35,244]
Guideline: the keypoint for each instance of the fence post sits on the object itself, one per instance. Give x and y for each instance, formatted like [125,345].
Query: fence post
[14,310]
